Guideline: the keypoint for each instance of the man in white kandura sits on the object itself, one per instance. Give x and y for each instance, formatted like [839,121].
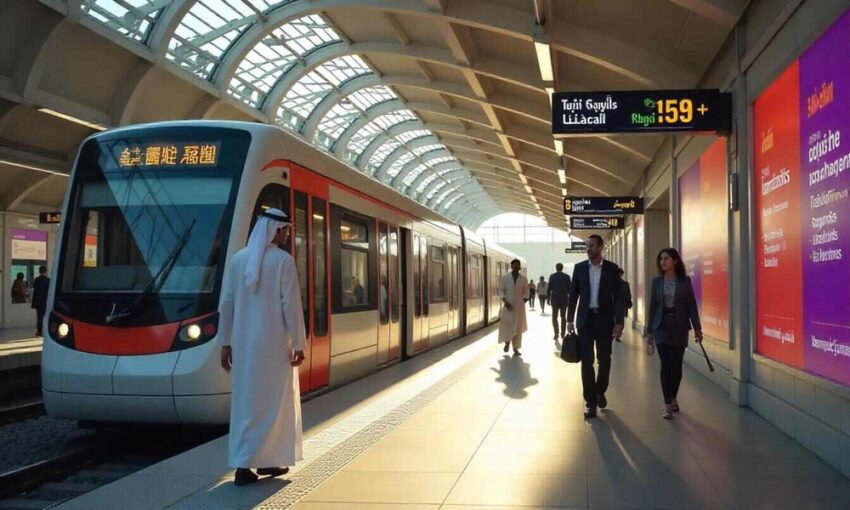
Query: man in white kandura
[262,334]
[513,289]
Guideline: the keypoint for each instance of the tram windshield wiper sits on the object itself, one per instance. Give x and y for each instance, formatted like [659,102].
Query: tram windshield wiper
[156,283]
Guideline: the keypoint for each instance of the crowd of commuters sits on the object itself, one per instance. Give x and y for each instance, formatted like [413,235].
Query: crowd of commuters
[594,303]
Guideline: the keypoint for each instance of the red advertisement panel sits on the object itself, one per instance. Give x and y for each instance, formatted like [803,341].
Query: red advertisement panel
[778,247]
[714,242]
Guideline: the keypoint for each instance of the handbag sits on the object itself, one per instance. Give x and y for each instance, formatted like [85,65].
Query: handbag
[569,349]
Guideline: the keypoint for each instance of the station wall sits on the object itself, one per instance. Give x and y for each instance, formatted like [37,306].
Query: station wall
[762,218]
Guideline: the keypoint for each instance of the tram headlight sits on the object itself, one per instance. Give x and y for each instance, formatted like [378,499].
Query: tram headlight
[196,331]
[61,330]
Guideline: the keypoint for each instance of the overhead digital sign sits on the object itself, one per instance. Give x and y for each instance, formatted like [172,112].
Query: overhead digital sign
[651,111]
[47,218]
[166,154]
[579,245]
[603,205]
[597,222]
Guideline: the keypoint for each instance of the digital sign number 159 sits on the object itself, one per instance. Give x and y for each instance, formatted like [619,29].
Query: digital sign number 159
[673,111]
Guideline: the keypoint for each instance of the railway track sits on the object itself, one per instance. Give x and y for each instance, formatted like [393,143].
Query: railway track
[20,412]
[103,459]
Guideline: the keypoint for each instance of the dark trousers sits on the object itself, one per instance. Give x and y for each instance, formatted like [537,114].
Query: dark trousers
[542,300]
[39,314]
[597,330]
[531,298]
[559,311]
[672,357]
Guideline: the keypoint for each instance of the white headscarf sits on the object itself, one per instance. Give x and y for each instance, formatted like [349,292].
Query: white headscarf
[261,237]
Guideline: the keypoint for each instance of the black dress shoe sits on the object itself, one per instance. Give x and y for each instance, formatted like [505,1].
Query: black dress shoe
[590,412]
[517,353]
[603,402]
[273,471]
[507,346]
[244,477]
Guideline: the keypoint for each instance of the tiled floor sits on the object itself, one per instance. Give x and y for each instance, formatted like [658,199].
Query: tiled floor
[464,427]
[511,435]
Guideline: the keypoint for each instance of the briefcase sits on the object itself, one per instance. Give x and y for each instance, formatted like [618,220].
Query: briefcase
[569,349]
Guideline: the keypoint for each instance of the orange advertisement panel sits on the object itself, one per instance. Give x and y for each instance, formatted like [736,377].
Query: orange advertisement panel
[778,247]
[714,242]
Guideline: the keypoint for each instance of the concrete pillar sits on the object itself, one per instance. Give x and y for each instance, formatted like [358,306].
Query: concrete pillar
[656,237]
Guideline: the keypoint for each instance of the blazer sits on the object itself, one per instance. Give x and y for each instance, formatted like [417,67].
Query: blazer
[559,288]
[686,316]
[610,297]
[40,287]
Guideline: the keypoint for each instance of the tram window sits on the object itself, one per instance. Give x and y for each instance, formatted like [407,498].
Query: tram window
[354,258]
[438,274]
[301,253]
[395,276]
[383,291]
[423,256]
[474,276]
[320,268]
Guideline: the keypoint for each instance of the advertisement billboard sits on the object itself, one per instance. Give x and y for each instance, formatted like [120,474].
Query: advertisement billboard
[802,181]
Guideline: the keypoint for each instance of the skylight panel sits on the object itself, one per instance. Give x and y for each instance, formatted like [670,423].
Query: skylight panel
[303,97]
[398,164]
[342,69]
[370,96]
[335,122]
[428,148]
[383,152]
[130,18]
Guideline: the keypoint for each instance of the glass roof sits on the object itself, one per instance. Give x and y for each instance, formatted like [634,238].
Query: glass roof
[437,188]
[208,30]
[445,194]
[132,18]
[276,54]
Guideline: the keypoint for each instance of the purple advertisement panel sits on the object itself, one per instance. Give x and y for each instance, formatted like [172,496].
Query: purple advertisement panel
[691,214]
[825,169]
[29,235]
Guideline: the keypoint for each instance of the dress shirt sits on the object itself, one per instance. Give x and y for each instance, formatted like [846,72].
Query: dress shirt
[595,276]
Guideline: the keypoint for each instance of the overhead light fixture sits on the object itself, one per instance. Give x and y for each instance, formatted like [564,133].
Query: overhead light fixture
[528,189]
[550,91]
[562,176]
[31,167]
[92,125]
[563,192]
[559,147]
[523,179]
[544,60]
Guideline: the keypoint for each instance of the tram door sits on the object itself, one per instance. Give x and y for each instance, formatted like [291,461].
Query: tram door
[396,294]
[384,291]
[310,235]
[420,293]
[454,293]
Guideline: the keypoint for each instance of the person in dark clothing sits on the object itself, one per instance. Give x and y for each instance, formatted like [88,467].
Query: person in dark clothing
[627,295]
[559,299]
[40,287]
[596,290]
[19,289]
[672,313]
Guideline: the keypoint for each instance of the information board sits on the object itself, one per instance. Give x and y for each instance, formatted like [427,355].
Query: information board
[48,218]
[802,198]
[29,244]
[597,222]
[165,154]
[702,201]
[636,111]
[603,205]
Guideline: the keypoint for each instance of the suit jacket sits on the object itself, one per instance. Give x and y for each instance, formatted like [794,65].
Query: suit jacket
[686,315]
[610,297]
[559,288]
[40,286]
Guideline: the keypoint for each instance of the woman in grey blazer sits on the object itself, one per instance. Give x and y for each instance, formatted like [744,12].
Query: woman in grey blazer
[672,314]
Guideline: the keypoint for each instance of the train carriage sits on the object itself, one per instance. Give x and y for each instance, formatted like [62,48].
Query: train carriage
[150,218]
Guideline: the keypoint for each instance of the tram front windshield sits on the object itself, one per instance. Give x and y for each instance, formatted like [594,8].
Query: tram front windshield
[146,228]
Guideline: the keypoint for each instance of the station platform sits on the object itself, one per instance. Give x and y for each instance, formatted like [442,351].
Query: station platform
[19,348]
[465,426]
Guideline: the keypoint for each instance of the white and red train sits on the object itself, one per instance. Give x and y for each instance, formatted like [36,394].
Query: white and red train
[153,212]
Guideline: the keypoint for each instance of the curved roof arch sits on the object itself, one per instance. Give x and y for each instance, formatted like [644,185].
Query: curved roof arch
[461,77]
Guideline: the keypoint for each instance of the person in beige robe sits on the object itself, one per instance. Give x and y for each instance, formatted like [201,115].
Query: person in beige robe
[513,289]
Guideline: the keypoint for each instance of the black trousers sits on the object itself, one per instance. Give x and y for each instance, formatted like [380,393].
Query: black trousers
[39,314]
[559,311]
[542,300]
[672,357]
[531,298]
[597,332]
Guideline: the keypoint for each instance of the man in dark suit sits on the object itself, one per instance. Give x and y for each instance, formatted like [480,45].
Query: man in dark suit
[40,287]
[559,298]
[596,290]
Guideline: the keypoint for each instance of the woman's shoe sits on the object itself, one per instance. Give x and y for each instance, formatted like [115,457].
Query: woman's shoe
[675,406]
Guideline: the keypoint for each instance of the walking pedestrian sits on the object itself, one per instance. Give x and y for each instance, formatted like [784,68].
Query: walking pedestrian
[627,296]
[672,313]
[513,289]
[20,290]
[40,287]
[559,299]
[532,293]
[596,290]
[263,339]
[542,294]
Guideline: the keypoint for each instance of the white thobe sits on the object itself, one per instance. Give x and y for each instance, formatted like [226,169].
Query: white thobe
[512,322]
[264,327]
